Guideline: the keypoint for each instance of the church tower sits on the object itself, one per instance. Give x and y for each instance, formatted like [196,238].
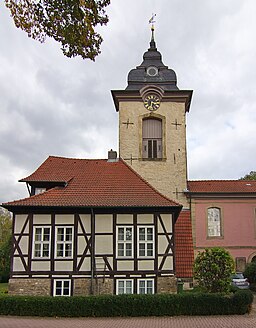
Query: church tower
[152,125]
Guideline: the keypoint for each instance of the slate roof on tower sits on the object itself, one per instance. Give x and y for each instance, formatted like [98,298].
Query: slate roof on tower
[91,183]
[152,71]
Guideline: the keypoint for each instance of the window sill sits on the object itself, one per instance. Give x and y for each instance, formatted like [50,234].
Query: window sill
[215,237]
[153,159]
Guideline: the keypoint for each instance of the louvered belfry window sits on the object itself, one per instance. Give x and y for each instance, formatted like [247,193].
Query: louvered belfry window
[152,138]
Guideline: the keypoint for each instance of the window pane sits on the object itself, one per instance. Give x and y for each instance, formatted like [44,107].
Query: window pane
[46,234]
[149,287]
[128,249]
[128,233]
[37,250]
[120,249]
[149,249]
[68,250]
[68,234]
[141,249]
[141,287]
[142,234]
[38,234]
[120,233]
[149,233]
[60,234]
[60,250]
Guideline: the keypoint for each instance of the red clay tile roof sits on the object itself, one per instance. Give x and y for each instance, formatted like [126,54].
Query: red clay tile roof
[184,246]
[222,186]
[92,183]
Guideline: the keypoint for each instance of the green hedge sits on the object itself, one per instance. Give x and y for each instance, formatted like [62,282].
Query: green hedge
[127,305]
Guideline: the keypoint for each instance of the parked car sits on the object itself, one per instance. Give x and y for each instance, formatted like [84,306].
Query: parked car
[238,280]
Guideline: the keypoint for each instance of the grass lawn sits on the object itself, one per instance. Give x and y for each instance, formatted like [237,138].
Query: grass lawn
[3,288]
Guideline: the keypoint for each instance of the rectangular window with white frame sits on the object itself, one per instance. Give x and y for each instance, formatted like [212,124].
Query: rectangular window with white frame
[62,287]
[146,241]
[124,286]
[125,241]
[42,242]
[145,286]
[64,242]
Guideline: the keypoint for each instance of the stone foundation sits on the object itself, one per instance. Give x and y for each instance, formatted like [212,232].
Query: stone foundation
[166,285]
[28,286]
[83,287]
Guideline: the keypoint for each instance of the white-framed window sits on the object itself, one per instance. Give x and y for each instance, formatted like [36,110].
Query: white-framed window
[124,286]
[125,241]
[39,190]
[146,241]
[145,286]
[62,287]
[214,222]
[42,242]
[64,241]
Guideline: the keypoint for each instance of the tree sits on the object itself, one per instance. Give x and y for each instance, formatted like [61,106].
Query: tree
[249,176]
[213,268]
[70,22]
[5,244]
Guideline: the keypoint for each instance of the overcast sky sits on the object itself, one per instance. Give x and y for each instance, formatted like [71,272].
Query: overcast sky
[53,105]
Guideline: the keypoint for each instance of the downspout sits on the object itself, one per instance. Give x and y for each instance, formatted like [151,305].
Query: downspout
[92,250]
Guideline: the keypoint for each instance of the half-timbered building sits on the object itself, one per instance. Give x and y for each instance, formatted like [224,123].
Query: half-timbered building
[120,225]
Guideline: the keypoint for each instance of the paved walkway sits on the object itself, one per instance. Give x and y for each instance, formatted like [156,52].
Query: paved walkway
[245,321]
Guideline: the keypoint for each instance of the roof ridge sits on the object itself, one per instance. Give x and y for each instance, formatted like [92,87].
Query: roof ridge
[147,183]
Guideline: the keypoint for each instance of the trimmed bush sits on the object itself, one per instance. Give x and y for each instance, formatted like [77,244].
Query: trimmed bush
[127,305]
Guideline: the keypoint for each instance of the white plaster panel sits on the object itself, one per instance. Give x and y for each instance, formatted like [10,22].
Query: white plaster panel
[125,265]
[17,264]
[86,221]
[64,219]
[168,264]
[40,266]
[103,244]
[162,244]
[124,219]
[63,265]
[24,244]
[81,244]
[146,265]
[103,223]
[19,223]
[42,219]
[145,218]
[167,221]
[86,265]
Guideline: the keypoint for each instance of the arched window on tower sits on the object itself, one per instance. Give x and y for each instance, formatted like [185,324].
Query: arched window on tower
[151,138]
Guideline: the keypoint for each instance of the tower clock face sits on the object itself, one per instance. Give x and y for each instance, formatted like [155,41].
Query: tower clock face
[152,102]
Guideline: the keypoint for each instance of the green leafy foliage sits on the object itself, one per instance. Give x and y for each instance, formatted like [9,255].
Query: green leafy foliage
[127,305]
[212,270]
[250,272]
[70,22]
[5,245]
[249,176]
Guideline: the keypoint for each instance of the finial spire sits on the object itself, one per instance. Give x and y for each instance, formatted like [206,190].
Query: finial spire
[152,21]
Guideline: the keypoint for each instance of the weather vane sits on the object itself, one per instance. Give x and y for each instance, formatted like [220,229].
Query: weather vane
[152,21]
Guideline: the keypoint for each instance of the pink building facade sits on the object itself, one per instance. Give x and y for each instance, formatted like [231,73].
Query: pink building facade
[223,214]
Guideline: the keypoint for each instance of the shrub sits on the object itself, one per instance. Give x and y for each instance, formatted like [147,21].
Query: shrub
[127,305]
[212,270]
[250,272]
